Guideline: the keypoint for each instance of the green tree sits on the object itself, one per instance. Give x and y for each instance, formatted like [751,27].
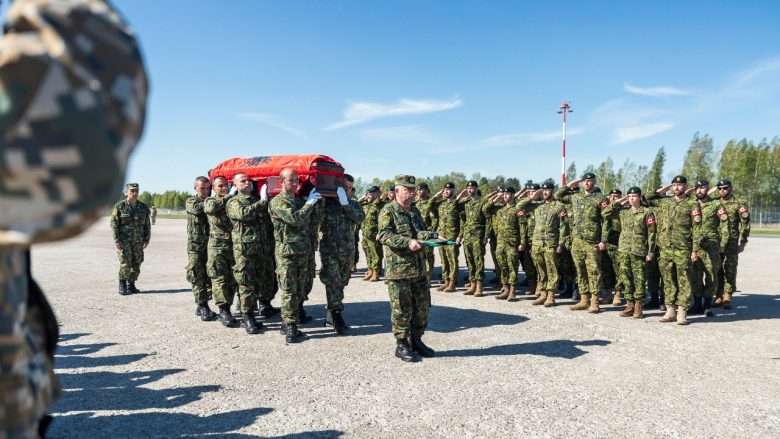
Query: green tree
[699,159]
[656,172]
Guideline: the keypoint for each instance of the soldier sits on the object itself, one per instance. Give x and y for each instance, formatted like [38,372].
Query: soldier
[132,230]
[679,240]
[739,231]
[353,196]
[340,216]
[153,214]
[636,248]
[400,228]
[219,254]
[472,236]
[489,210]
[426,205]
[655,285]
[314,238]
[371,247]
[268,283]
[587,243]
[526,222]
[714,239]
[550,230]
[290,216]
[508,236]
[449,225]
[610,261]
[197,245]
[67,136]
[248,235]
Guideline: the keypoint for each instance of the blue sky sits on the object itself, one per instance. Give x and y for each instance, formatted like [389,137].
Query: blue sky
[429,87]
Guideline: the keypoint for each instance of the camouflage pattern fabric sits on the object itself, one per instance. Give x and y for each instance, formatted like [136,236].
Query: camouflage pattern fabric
[248,236]
[450,228]
[739,231]
[314,238]
[371,247]
[525,222]
[638,238]
[131,227]
[197,249]
[489,210]
[546,262]
[73,87]
[430,217]
[219,254]
[337,247]
[586,229]
[472,234]
[508,237]
[674,265]
[550,229]
[410,302]
[634,271]
[268,269]
[714,234]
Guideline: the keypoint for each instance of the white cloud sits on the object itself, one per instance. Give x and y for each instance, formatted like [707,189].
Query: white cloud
[270,120]
[530,137]
[405,133]
[361,112]
[628,134]
[759,69]
[655,91]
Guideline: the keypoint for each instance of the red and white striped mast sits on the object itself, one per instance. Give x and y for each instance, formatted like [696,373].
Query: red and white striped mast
[563,109]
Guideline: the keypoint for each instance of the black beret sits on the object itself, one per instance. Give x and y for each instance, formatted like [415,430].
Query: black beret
[548,185]
[373,189]
[615,191]
[589,176]
[634,190]
[390,188]
[534,186]
[449,185]
[422,186]
[510,189]
[680,179]
[500,189]
[472,183]
[702,183]
[724,182]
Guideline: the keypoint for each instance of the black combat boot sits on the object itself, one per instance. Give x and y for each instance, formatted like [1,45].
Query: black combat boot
[405,352]
[250,326]
[696,309]
[708,307]
[420,347]
[302,316]
[123,288]
[291,333]
[205,313]
[226,317]
[266,310]
[336,320]
[131,288]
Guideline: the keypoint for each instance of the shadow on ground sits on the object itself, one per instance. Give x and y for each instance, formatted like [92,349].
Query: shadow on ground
[567,349]
[744,307]
[170,291]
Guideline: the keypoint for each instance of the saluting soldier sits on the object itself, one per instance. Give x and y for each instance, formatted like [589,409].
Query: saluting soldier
[472,236]
[550,230]
[610,261]
[132,230]
[508,236]
[739,231]
[714,239]
[449,225]
[526,222]
[427,207]
[197,248]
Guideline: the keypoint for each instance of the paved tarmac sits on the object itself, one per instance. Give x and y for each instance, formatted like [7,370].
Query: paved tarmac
[146,366]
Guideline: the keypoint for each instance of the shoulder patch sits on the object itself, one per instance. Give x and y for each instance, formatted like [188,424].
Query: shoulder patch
[743,209]
[722,211]
[650,221]
[695,212]
[520,213]
[562,213]
[603,204]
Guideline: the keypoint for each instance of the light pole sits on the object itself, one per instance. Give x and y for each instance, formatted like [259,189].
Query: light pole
[563,109]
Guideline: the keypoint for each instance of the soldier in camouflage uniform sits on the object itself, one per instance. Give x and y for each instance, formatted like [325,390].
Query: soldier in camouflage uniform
[426,205]
[489,210]
[400,228]
[267,270]
[526,222]
[610,260]
[340,216]
[472,236]
[566,266]
[714,239]
[587,243]
[371,247]
[219,252]
[679,240]
[290,216]
[68,128]
[508,236]
[248,234]
[314,238]
[197,244]
[449,227]
[636,248]
[132,229]
[550,230]
[739,231]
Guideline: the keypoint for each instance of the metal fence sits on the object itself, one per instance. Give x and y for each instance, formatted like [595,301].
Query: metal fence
[765,219]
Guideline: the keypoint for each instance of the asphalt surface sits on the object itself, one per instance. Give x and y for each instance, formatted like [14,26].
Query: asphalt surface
[146,366]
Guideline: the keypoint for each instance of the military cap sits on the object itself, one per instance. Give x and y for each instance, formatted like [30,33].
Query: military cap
[589,176]
[131,186]
[472,183]
[510,189]
[449,185]
[596,190]
[373,189]
[500,189]
[724,182]
[575,190]
[391,188]
[634,190]
[702,183]
[405,181]
[616,191]
[534,186]
[548,185]
[680,179]
[423,186]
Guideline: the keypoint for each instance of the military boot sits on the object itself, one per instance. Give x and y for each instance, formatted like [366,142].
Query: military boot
[542,297]
[550,301]
[226,317]
[302,316]
[594,304]
[450,287]
[568,291]
[629,311]
[511,297]
[682,312]
[671,314]
[266,310]
[708,307]
[532,290]
[131,289]
[405,352]
[420,347]
[467,285]
[616,300]
[205,313]
[654,302]
[369,273]
[727,300]
[696,309]
[583,303]
[608,294]
[374,276]
[250,326]
[718,301]
[638,314]
[504,293]
[336,321]
[123,288]
[291,333]
[478,291]
[471,290]
[443,286]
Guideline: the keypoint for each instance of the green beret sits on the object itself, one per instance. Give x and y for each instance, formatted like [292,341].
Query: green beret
[589,176]
[634,190]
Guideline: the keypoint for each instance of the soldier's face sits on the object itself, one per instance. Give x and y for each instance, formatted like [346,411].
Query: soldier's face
[507,197]
[589,183]
[447,193]
[679,188]
[391,194]
[634,199]
[348,187]
[220,187]
[724,191]
[404,195]
[422,193]
[202,189]
[290,183]
[701,192]
[132,194]
[242,183]
[547,193]
[471,191]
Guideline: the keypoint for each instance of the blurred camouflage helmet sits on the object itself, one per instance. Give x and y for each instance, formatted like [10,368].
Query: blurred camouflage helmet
[72,106]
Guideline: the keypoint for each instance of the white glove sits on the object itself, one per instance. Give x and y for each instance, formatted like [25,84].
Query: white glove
[342,196]
[264,192]
[233,191]
[314,196]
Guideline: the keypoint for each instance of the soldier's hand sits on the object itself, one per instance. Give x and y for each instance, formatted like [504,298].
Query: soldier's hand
[521,248]
[573,183]
[414,245]
[601,246]
[648,258]
[120,246]
[664,189]
[458,240]
[146,243]
[740,248]
[712,191]
[689,190]
[264,192]
[694,256]
[559,249]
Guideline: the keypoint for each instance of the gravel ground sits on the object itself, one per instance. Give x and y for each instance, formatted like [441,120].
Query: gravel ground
[146,366]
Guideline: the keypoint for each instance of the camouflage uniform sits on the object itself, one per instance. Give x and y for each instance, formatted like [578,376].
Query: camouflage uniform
[314,238]
[489,210]
[678,236]
[637,241]
[290,216]
[508,236]
[410,298]
[566,266]
[739,231]
[472,233]
[132,228]
[371,247]
[430,217]
[248,236]
[68,128]
[268,269]
[219,261]
[337,248]
[449,227]
[550,229]
[612,276]
[714,234]
[527,222]
[197,245]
